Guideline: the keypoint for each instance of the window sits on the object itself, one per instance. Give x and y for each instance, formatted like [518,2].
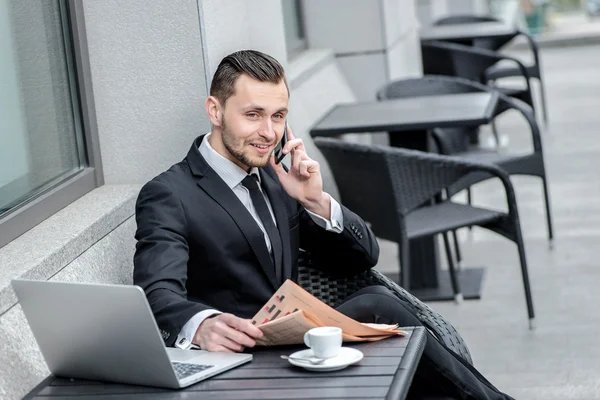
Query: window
[295,39]
[44,161]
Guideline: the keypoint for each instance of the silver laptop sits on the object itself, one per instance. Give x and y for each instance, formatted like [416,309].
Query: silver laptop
[108,333]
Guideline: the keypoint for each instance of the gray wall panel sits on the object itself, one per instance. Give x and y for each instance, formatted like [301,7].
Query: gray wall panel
[149,84]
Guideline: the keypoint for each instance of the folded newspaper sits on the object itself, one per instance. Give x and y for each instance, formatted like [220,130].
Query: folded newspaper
[292,311]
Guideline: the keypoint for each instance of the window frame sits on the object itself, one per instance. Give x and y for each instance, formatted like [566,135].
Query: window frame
[297,45]
[30,213]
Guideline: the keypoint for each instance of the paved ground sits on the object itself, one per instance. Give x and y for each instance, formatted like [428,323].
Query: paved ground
[570,24]
[561,358]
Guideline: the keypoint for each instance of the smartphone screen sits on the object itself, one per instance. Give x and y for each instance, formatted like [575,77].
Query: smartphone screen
[279,148]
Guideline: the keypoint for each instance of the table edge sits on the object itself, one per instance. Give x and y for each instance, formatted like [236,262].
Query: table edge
[398,388]
[332,132]
[511,29]
[323,116]
[39,387]
[404,374]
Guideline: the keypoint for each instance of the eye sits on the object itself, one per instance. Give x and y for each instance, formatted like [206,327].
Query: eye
[252,115]
[278,116]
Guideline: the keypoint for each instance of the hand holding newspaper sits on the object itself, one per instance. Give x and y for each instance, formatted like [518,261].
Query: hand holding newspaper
[292,311]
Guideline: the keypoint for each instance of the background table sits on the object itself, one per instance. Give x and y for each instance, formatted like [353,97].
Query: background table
[470,31]
[408,121]
[408,114]
[385,373]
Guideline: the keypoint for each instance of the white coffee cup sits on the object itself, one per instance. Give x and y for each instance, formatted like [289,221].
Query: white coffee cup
[325,341]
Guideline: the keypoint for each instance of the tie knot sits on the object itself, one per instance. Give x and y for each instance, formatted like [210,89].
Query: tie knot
[250,182]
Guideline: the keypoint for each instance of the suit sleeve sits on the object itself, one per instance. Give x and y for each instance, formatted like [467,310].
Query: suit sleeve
[161,256]
[353,250]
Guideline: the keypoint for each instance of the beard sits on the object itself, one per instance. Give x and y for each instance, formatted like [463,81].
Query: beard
[239,149]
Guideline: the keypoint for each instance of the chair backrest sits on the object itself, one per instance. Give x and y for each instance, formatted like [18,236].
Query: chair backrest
[362,178]
[428,85]
[386,183]
[453,59]
[333,291]
[448,140]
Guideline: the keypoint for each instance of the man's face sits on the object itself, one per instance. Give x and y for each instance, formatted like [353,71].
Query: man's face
[252,121]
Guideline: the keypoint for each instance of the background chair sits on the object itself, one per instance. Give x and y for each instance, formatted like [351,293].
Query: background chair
[457,60]
[499,71]
[391,188]
[457,142]
[333,291]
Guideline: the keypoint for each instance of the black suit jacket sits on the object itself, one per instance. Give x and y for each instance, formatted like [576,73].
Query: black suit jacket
[198,247]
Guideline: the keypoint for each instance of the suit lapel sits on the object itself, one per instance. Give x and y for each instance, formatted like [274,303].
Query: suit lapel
[277,199]
[209,181]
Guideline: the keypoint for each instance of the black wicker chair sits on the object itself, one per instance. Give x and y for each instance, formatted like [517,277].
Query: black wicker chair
[455,141]
[452,59]
[495,44]
[333,291]
[391,188]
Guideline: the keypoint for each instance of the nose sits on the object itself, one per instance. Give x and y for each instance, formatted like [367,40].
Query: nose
[267,130]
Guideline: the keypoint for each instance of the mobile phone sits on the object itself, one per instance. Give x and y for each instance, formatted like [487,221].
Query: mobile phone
[279,148]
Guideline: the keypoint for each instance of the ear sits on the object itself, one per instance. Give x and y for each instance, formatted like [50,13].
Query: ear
[213,110]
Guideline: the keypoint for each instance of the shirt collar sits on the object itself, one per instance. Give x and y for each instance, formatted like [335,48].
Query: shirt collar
[230,172]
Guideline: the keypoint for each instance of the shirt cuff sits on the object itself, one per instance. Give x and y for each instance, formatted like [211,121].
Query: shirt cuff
[185,337]
[336,224]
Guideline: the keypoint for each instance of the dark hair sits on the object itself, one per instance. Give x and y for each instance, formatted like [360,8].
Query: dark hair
[256,65]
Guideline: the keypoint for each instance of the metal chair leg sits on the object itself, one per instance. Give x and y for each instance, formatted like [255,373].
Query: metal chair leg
[548,212]
[492,83]
[470,202]
[543,99]
[404,260]
[457,249]
[536,62]
[525,273]
[458,297]
[495,133]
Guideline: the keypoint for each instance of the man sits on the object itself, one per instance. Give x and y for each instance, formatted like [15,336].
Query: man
[220,231]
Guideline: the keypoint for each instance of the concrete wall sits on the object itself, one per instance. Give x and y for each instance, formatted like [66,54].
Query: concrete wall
[148,82]
[148,71]
[232,25]
[373,41]
[316,84]
[22,366]
[430,10]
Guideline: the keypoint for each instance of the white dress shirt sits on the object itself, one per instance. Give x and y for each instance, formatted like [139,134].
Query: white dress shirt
[233,175]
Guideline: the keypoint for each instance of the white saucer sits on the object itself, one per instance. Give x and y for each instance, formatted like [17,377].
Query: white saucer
[345,357]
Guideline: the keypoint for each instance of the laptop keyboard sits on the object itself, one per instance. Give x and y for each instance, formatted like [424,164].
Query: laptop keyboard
[183,370]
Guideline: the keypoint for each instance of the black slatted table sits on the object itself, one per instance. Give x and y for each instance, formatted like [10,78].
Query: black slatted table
[468,31]
[385,372]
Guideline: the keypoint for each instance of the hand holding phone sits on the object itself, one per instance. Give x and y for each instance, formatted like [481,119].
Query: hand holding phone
[279,148]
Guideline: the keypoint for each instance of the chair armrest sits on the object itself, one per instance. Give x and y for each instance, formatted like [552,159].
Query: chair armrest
[468,55]
[525,110]
[533,44]
[505,103]
[494,55]
[429,174]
